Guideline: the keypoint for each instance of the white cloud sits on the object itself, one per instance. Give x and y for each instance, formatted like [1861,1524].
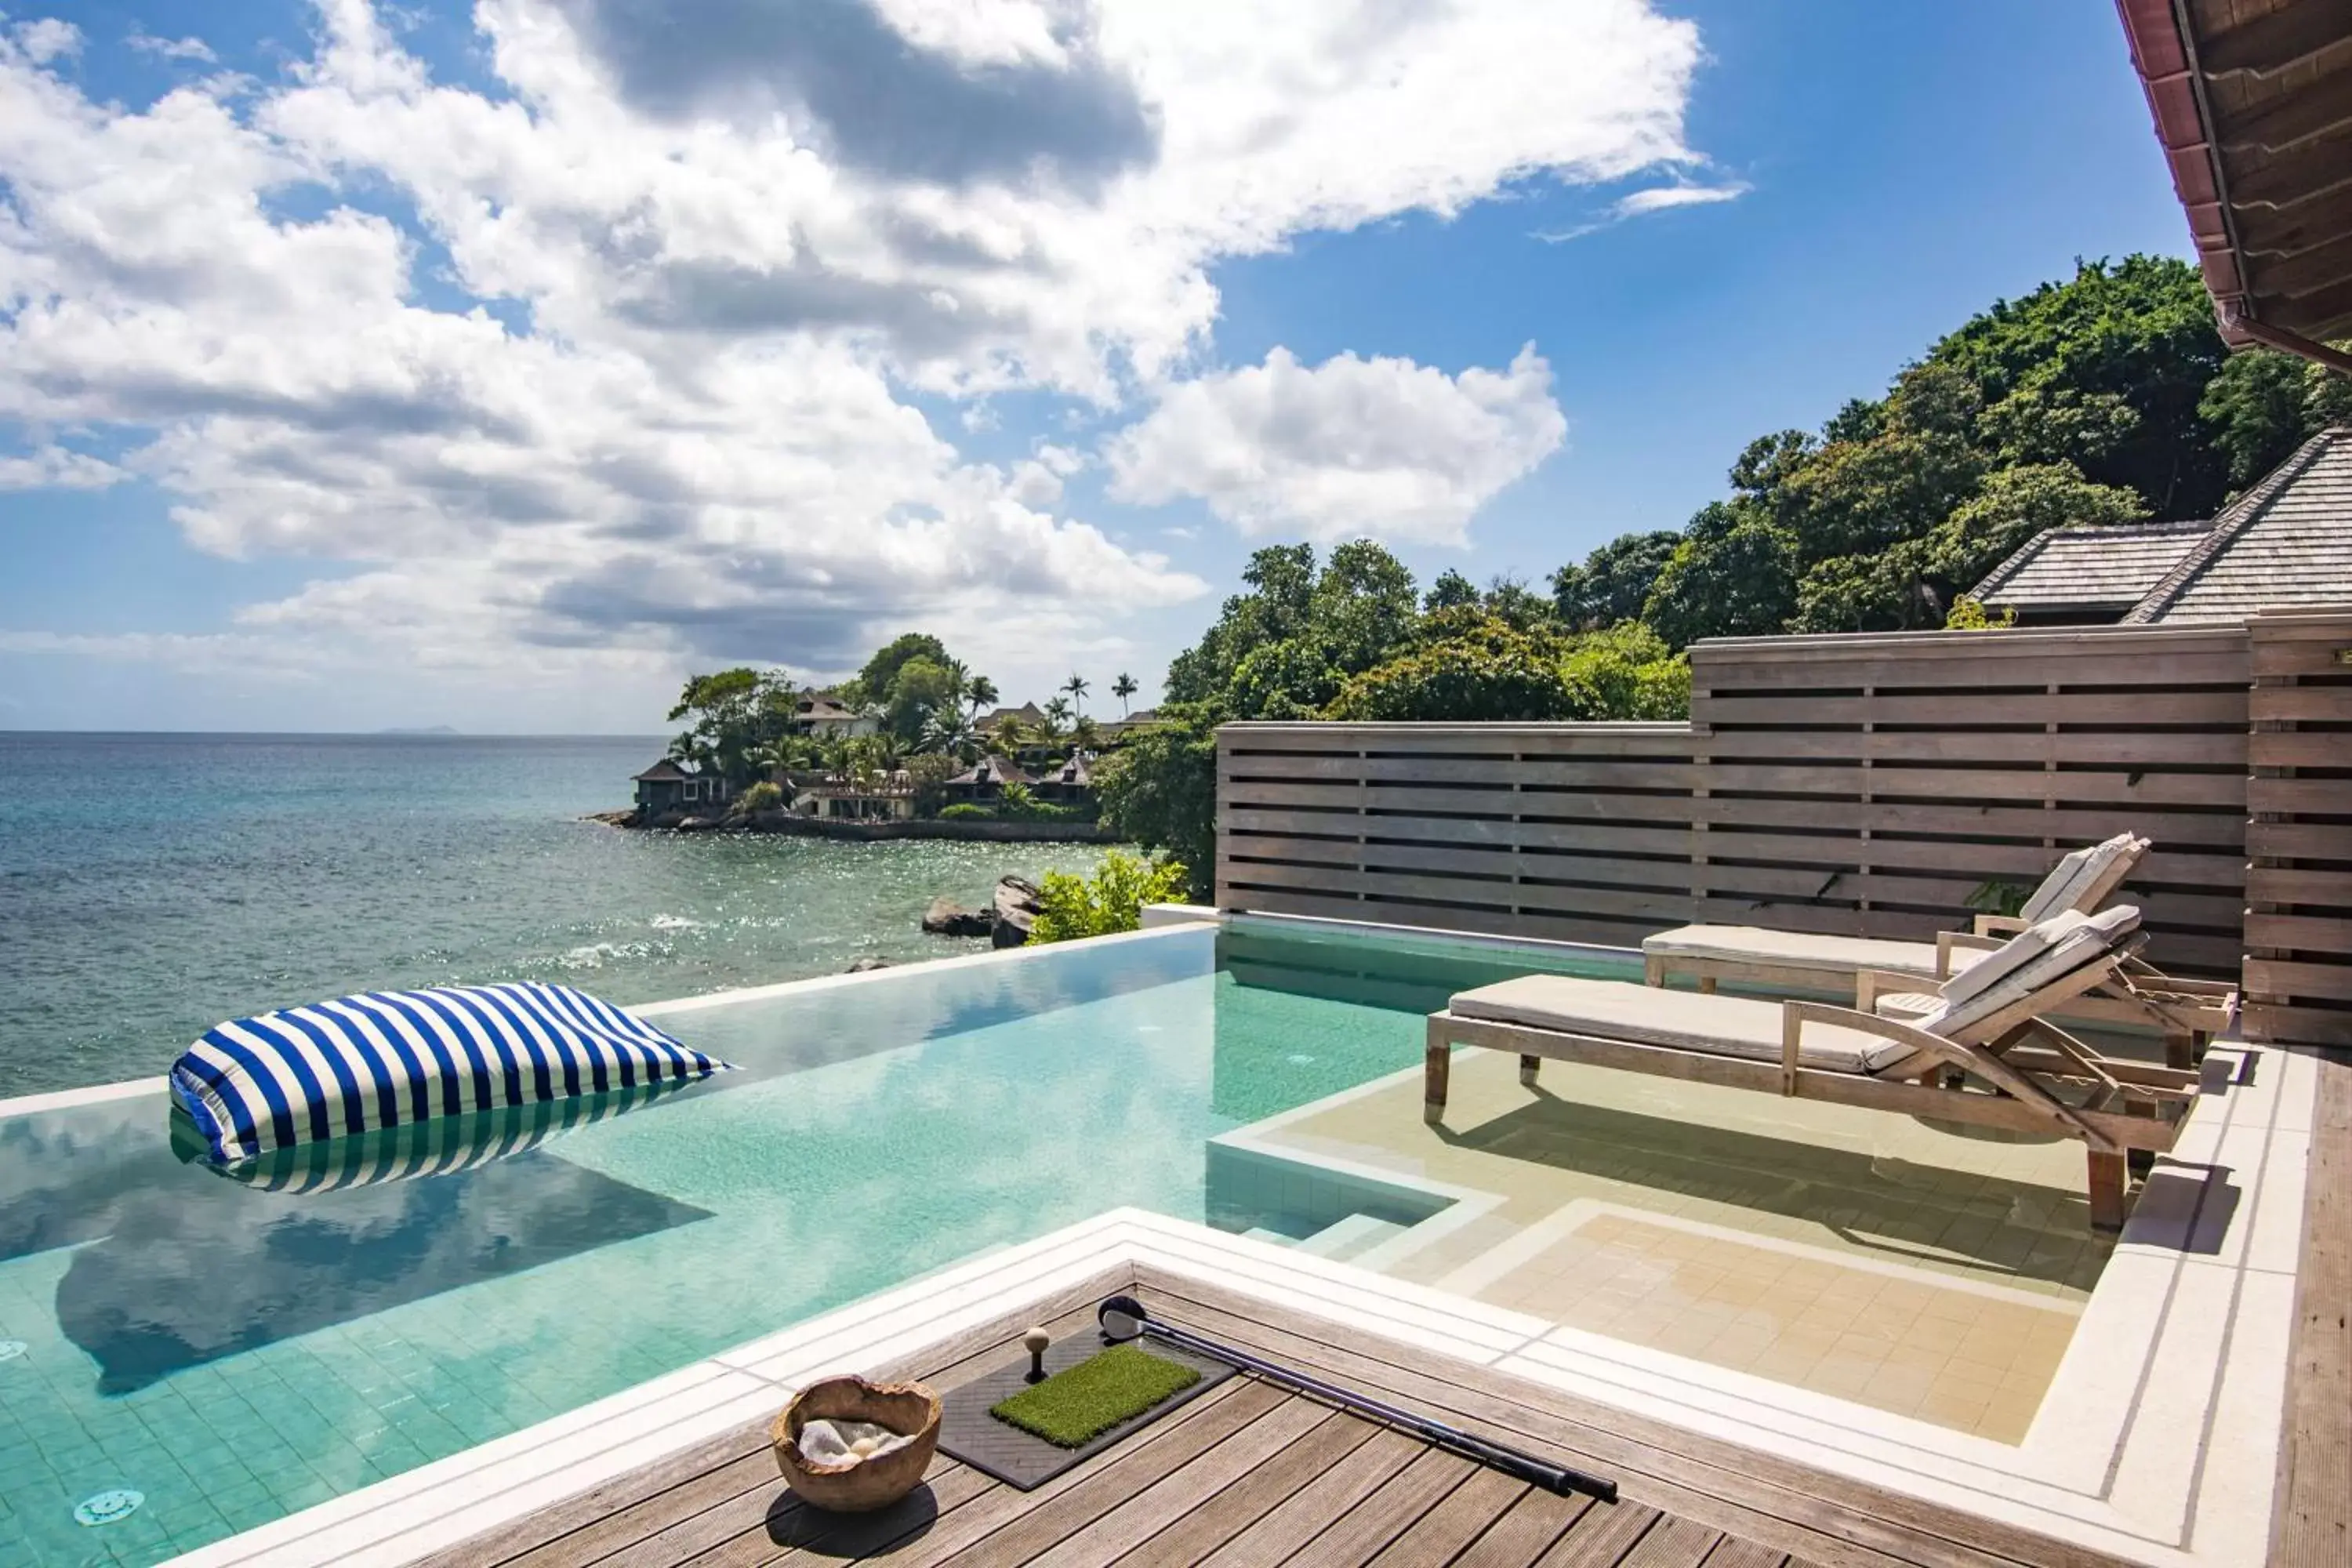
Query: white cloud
[46,38]
[674,427]
[1638,204]
[1383,448]
[172,49]
[57,467]
[1658,198]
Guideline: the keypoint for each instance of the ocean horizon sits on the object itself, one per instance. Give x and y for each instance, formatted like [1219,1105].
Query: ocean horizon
[153,883]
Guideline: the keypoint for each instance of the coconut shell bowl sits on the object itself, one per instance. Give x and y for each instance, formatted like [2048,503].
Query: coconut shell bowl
[858,1486]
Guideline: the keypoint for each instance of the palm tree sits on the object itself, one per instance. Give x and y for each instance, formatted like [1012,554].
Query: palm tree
[1123,689]
[981,692]
[1084,736]
[949,734]
[1057,713]
[1007,735]
[1077,688]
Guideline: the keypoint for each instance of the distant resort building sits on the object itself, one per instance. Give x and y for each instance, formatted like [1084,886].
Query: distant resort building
[2285,544]
[842,800]
[819,715]
[666,786]
[1114,730]
[984,781]
[1031,717]
[1070,783]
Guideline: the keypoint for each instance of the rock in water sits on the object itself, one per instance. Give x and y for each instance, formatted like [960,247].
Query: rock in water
[948,917]
[1016,910]
[867,962]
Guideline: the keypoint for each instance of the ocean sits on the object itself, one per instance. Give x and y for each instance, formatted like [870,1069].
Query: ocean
[152,886]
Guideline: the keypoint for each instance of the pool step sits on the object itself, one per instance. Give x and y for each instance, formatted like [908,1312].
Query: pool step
[1345,1238]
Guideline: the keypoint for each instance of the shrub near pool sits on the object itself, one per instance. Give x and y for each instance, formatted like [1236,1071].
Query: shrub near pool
[1074,1406]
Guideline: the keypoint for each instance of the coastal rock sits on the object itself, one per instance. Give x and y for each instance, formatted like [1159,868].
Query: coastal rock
[699,824]
[1016,908]
[614,818]
[948,917]
[867,962]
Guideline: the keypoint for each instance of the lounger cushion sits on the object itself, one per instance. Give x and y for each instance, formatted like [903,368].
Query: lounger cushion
[2031,961]
[1836,957]
[1677,1020]
[2083,881]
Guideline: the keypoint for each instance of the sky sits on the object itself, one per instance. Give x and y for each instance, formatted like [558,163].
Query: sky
[370,366]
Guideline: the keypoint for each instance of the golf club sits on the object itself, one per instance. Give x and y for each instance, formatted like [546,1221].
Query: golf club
[1124,1318]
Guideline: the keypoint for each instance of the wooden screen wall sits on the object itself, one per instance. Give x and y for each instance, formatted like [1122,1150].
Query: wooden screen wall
[1866,784]
[2298,971]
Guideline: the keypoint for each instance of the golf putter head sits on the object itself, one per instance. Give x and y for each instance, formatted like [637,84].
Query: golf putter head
[1122,1319]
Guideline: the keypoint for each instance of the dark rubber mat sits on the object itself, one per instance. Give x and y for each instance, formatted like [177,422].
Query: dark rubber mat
[1020,1459]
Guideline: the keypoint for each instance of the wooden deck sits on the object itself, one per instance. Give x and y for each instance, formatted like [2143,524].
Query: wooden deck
[1251,1474]
[2313,1525]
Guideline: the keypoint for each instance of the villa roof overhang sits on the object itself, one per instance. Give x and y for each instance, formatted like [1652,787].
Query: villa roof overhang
[2252,101]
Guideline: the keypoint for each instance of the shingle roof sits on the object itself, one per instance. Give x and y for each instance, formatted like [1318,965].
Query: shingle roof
[2109,567]
[992,770]
[662,771]
[2286,543]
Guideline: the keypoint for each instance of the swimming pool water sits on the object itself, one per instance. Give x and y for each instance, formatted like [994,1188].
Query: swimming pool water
[232,1353]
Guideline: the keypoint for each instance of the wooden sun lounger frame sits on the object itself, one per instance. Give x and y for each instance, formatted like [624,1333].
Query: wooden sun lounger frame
[2128,1106]
[2187,1012]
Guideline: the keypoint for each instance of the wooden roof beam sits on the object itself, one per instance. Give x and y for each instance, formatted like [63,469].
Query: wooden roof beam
[2270,44]
[2321,106]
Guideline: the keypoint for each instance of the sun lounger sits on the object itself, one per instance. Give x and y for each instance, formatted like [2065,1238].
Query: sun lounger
[1982,1052]
[2186,1012]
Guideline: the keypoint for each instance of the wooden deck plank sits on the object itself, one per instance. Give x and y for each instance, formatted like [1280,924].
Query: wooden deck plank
[1733,1553]
[1111,1535]
[1601,1537]
[1674,1543]
[1526,1532]
[753,1526]
[1838,1522]
[1009,1526]
[2312,1522]
[1309,1510]
[1218,1519]
[624,1528]
[510,1541]
[815,1536]
[1465,1513]
[1364,1529]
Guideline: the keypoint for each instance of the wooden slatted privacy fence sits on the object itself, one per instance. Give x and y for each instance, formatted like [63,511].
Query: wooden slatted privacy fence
[1870,784]
[2298,970]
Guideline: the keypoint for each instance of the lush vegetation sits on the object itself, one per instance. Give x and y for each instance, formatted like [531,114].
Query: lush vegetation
[1071,907]
[743,722]
[2101,399]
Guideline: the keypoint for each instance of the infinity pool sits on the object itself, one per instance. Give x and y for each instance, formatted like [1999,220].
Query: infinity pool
[230,1354]
[184,1355]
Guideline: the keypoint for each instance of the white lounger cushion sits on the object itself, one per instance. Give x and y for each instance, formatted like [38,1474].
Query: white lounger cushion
[2033,959]
[1677,1020]
[2083,881]
[1837,957]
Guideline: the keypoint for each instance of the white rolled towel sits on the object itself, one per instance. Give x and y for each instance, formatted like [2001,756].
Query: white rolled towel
[826,1442]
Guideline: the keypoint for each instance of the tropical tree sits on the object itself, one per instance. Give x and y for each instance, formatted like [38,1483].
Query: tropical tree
[1007,736]
[949,734]
[1057,715]
[1077,685]
[1124,687]
[1084,736]
[1614,581]
[980,692]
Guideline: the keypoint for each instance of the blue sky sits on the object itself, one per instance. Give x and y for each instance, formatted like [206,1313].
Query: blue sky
[382,396]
